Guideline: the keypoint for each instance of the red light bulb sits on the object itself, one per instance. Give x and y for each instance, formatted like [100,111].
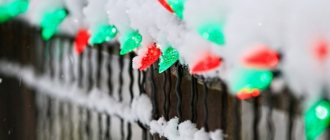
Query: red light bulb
[207,63]
[81,40]
[246,93]
[150,57]
[321,50]
[166,6]
[261,57]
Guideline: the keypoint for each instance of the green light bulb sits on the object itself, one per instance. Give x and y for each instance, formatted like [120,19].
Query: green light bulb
[12,9]
[103,33]
[50,22]
[212,32]
[4,15]
[168,58]
[130,41]
[251,79]
[317,119]
[177,6]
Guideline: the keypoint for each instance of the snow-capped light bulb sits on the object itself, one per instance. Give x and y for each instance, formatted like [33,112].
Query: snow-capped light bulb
[13,9]
[212,32]
[81,40]
[177,6]
[148,57]
[174,6]
[168,58]
[50,22]
[166,6]
[261,57]
[208,62]
[250,79]
[103,33]
[130,42]
[317,119]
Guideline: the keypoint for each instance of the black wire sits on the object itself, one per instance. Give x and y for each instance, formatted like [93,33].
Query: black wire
[81,123]
[73,76]
[131,76]
[154,94]
[98,84]
[120,92]
[164,94]
[49,115]
[168,108]
[270,124]
[110,86]
[99,65]
[61,63]
[141,76]
[224,96]
[140,82]
[206,111]
[193,110]
[291,109]
[257,115]
[131,84]
[39,58]
[108,128]
[178,92]
[80,85]
[144,131]
[50,58]
[71,119]
[46,57]
[237,119]
[144,79]
[89,88]
[61,116]
[80,70]
[90,69]
[88,125]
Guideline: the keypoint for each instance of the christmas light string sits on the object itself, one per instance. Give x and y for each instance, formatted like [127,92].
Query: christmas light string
[259,64]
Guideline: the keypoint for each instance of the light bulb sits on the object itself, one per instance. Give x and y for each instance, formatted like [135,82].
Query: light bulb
[207,62]
[261,57]
[130,41]
[212,32]
[13,9]
[103,33]
[317,119]
[50,22]
[81,40]
[149,57]
[168,58]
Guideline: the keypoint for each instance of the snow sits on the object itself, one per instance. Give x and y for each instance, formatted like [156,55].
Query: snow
[173,130]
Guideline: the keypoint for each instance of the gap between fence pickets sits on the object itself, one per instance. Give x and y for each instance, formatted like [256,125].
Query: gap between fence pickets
[139,110]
